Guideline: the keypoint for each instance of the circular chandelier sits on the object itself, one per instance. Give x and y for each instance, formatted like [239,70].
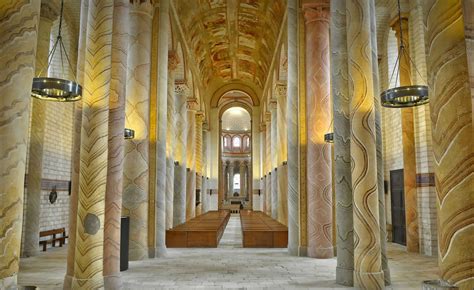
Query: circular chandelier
[57,89]
[329,137]
[128,133]
[404,96]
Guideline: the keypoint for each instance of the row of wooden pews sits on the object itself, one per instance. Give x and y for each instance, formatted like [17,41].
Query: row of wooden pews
[261,231]
[204,231]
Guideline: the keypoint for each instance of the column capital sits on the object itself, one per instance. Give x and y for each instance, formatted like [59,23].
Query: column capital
[395,25]
[145,7]
[272,104]
[268,117]
[181,88]
[49,10]
[199,117]
[173,60]
[316,11]
[279,90]
[192,104]
[262,127]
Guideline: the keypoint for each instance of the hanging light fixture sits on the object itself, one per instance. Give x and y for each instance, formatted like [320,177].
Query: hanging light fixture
[329,137]
[404,96]
[128,133]
[57,89]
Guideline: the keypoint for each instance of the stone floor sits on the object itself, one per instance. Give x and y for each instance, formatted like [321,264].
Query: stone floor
[231,266]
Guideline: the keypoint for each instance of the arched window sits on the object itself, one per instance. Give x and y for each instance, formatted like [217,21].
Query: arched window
[236,143]
[237,181]
[226,142]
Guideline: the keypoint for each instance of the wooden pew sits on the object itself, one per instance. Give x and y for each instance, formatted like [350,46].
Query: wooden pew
[261,231]
[61,239]
[204,231]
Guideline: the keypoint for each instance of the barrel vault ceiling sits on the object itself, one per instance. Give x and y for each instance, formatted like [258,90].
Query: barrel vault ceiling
[231,41]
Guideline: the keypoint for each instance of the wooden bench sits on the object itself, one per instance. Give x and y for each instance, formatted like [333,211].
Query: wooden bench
[261,231]
[61,239]
[204,231]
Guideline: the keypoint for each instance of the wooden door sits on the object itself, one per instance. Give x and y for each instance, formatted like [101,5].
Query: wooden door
[398,206]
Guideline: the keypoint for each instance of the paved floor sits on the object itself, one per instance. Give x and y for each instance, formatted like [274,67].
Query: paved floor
[231,266]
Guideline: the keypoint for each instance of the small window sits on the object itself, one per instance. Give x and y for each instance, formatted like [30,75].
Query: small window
[225,142]
[236,142]
[237,181]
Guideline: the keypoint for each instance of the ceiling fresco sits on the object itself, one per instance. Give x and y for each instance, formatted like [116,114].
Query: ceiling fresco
[232,40]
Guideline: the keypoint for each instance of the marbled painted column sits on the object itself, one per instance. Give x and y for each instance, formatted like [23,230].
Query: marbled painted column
[408,138]
[89,246]
[274,157]
[342,145]
[263,153]
[230,181]
[17,66]
[451,119]
[242,178]
[198,154]
[292,127]
[268,164]
[191,160]
[280,94]
[162,94]
[114,185]
[37,131]
[135,183]
[318,117]
[368,272]
[76,150]
[173,61]
[179,201]
[379,145]
[205,164]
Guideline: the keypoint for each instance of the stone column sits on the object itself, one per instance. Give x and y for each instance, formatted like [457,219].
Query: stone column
[179,202]
[198,154]
[136,170]
[205,163]
[191,160]
[230,192]
[268,164]
[342,146]
[408,139]
[30,247]
[263,154]
[17,66]
[280,93]
[76,150]
[224,179]
[292,127]
[368,272]
[452,123]
[274,157]
[242,178]
[113,189]
[318,108]
[89,246]
[162,106]
[173,61]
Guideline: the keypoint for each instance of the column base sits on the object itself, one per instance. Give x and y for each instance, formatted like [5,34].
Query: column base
[302,251]
[92,283]
[67,282]
[151,253]
[113,282]
[161,252]
[29,253]
[137,254]
[321,253]
[369,280]
[344,276]
[386,277]
[9,283]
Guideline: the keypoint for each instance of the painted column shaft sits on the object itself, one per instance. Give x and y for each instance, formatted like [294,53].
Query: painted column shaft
[452,131]
[280,92]
[191,163]
[274,159]
[268,161]
[198,153]
[318,108]
[20,26]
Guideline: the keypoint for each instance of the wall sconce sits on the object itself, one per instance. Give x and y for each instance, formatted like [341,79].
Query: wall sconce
[329,137]
[128,133]
[176,163]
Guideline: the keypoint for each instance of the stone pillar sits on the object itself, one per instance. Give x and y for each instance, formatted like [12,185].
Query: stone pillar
[224,179]
[113,189]
[162,106]
[318,108]
[173,61]
[242,179]
[230,192]
[280,93]
[205,164]
[452,123]
[179,202]
[292,127]
[76,150]
[198,154]
[263,154]
[268,164]
[342,146]
[191,160]
[368,272]
[408,139]
[37,131]
[274,157]
[17,66]
[136,170]
[89,246]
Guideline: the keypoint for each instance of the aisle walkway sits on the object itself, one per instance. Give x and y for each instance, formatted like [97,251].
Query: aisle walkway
[230,266]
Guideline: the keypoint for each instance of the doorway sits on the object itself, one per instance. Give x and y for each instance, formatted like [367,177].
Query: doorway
[398,206]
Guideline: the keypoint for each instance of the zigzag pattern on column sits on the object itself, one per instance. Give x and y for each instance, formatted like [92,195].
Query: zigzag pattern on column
[452,131]
[93,167]
[19,26]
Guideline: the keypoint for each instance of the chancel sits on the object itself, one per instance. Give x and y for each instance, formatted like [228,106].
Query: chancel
[151,144]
